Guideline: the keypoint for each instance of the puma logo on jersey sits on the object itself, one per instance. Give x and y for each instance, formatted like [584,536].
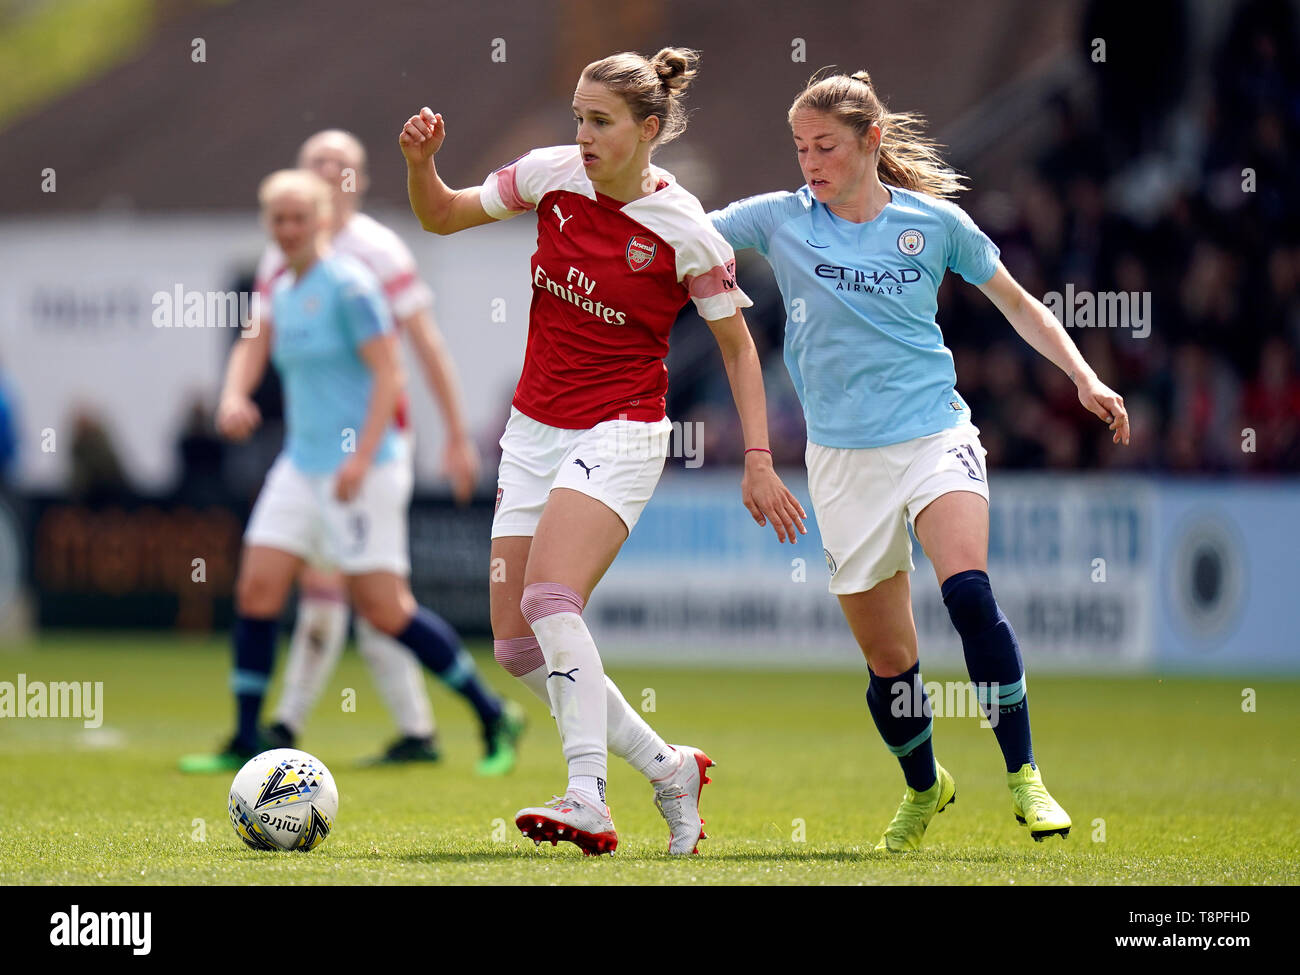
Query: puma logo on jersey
[562,218]
[585,467]
[568,674]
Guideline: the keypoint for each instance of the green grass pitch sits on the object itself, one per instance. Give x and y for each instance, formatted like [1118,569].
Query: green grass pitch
[1168,782]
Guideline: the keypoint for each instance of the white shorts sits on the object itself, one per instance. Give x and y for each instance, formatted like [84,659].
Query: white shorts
[617,462]
[298,513]
[865,498]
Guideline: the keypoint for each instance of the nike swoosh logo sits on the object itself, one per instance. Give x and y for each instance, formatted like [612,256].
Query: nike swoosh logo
[811,244]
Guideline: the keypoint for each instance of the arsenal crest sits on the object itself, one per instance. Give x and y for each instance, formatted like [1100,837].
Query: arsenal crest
[640,252]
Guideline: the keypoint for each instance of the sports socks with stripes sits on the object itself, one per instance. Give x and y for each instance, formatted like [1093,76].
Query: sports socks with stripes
[575,682]
[254,653]
[319,633]
[901,710]
[436,645]
[993,662]
[629,736]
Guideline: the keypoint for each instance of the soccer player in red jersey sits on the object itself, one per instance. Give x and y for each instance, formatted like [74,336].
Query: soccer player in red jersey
[621,247]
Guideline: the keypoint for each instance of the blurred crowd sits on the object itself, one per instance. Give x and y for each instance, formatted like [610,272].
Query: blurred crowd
[1168,172]
[1171,178]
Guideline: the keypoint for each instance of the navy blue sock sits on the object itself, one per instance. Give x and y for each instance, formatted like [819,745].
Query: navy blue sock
[993,662]
[436,645]
[901,710]
[254,653]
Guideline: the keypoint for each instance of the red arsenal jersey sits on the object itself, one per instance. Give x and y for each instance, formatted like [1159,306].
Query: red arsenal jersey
[608,281]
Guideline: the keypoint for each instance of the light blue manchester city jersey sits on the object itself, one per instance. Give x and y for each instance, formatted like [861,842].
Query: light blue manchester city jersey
[861,342]
[319,323]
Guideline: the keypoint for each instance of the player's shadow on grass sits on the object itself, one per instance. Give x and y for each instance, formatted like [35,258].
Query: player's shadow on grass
[499,852]
[981,857]
[856,855]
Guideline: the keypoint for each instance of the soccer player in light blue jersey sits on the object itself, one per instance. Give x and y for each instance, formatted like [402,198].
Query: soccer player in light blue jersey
[859,252]
[337,495]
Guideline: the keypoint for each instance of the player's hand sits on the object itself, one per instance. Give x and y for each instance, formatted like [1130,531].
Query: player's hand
[348,478]
[1100,399]
[421,137]
[237,417]
[770,500]
[461,465]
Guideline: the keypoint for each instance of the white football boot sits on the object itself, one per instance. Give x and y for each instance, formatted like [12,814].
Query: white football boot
[678,799]
[565,818]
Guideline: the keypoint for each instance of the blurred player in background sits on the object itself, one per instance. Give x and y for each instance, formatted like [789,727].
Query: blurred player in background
[339,491]
[890,442]
[621,248]
[321,626]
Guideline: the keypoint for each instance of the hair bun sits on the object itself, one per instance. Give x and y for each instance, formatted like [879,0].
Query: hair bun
[675,66]
[861,76]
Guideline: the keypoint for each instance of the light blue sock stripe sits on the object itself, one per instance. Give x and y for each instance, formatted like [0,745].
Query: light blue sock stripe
[249,682]
[1008,694]
[1012,693]
[461,671]
[898,751]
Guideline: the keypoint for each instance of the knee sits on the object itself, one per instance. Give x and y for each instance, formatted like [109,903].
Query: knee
[888,659]
[387,615]
[969,598]
[518,655]
[319,584]
[541,599]
[507,620]
[258,596]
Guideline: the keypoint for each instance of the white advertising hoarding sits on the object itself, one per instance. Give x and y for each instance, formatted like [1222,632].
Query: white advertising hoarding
[698,581]
[79,301]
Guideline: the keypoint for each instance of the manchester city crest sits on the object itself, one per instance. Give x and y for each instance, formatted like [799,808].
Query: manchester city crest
[911,242]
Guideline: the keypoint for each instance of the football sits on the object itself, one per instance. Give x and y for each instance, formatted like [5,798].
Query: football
[283,799]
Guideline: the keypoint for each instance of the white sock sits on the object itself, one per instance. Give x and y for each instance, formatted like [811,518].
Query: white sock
[314,649]
[399,678]
[634,741]
[535,681]
[629,737]
[576,685]
[589,787]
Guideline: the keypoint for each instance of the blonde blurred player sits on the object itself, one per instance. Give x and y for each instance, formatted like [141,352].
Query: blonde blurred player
[339,158]
[330,499]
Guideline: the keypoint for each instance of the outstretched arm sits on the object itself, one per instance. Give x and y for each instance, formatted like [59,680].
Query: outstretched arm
[766,497]
[439,208]
[1039,327]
